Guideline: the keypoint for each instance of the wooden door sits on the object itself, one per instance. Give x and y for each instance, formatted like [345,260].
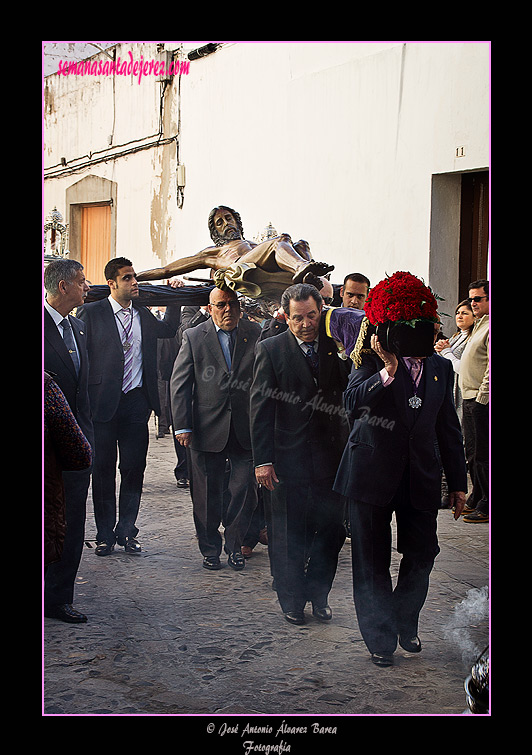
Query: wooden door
[474,229]
[95,240]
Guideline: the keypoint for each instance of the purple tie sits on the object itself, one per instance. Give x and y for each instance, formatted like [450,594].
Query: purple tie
[127,343]
[415,369]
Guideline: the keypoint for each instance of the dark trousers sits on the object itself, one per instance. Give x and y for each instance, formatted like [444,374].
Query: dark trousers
[384,611]
[305,534]
[164,420]
[475,426]
[258,522]
[181,468]
[125,438]
[209,482]
[61,575]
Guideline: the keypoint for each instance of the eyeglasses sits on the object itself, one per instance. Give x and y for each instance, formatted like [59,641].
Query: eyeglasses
[477,298]
[222,305]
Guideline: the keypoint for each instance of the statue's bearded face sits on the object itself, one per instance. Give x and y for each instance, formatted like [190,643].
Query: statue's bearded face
[226,225]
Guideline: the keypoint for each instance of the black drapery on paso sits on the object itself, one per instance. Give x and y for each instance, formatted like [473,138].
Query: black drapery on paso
[159,296]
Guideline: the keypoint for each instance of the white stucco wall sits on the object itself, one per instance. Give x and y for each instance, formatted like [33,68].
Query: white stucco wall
[336,143]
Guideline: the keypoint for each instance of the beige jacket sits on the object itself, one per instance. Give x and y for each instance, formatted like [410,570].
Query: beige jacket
[474,364]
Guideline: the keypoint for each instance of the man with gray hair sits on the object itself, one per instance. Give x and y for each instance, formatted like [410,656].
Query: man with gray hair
[65,357]
[298,431]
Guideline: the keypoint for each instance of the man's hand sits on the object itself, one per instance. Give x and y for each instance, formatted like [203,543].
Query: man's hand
[390,360]
[175,283]
[183,439]
[266,476]
[457,501]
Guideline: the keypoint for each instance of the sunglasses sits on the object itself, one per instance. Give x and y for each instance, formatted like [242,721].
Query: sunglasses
[477,298]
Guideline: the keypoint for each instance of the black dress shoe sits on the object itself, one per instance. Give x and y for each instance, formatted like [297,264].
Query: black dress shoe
[236,561]
[295,617]
[410,644]
[212,563]
[132,545]
[182,482]
[104,549]
[65,612]
[323,614]
[382,659]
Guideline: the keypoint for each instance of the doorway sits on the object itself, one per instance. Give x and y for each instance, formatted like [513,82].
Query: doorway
[95,249]
[474,230]
[91,205]
[459,237]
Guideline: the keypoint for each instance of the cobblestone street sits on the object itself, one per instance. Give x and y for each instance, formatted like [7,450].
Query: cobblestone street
[165,637]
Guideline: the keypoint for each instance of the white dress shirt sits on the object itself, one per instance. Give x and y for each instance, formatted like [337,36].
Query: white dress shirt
[136,336]
[58,318]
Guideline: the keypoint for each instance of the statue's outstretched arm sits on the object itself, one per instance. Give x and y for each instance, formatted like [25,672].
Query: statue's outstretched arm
[204,259]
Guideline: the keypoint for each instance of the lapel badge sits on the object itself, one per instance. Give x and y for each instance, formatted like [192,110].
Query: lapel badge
[436,378]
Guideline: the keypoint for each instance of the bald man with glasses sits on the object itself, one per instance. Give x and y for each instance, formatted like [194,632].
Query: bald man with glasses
[209,392]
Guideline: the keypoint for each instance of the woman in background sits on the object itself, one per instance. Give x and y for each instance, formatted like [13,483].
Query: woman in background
[452,348]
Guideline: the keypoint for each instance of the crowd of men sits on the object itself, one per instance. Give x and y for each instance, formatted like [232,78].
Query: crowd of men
[270,419]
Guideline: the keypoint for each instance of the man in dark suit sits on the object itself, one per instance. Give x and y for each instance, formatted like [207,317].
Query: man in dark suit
[299,430]
[190,317]
[210,407]
[66,358]
[122,344]
[404,430]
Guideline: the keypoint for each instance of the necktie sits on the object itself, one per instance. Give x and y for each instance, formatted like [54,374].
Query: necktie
[68,338]
[127,345]
[313,359]
[226,342]
[415,370]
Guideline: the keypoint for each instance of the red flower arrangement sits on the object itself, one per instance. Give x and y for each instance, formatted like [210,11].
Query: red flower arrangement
[401,298]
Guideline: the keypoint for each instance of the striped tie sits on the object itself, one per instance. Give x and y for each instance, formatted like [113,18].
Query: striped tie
[127,343]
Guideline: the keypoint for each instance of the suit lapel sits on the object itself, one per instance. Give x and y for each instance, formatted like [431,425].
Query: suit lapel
[242,336]
[402,391]
[301,367]
[213,344]
[142,313]
[429,379]
[53,336]
[79,336]
[110,321]
[327,351]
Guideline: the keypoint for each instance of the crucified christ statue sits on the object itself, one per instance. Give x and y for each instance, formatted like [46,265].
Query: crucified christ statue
[253,269]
